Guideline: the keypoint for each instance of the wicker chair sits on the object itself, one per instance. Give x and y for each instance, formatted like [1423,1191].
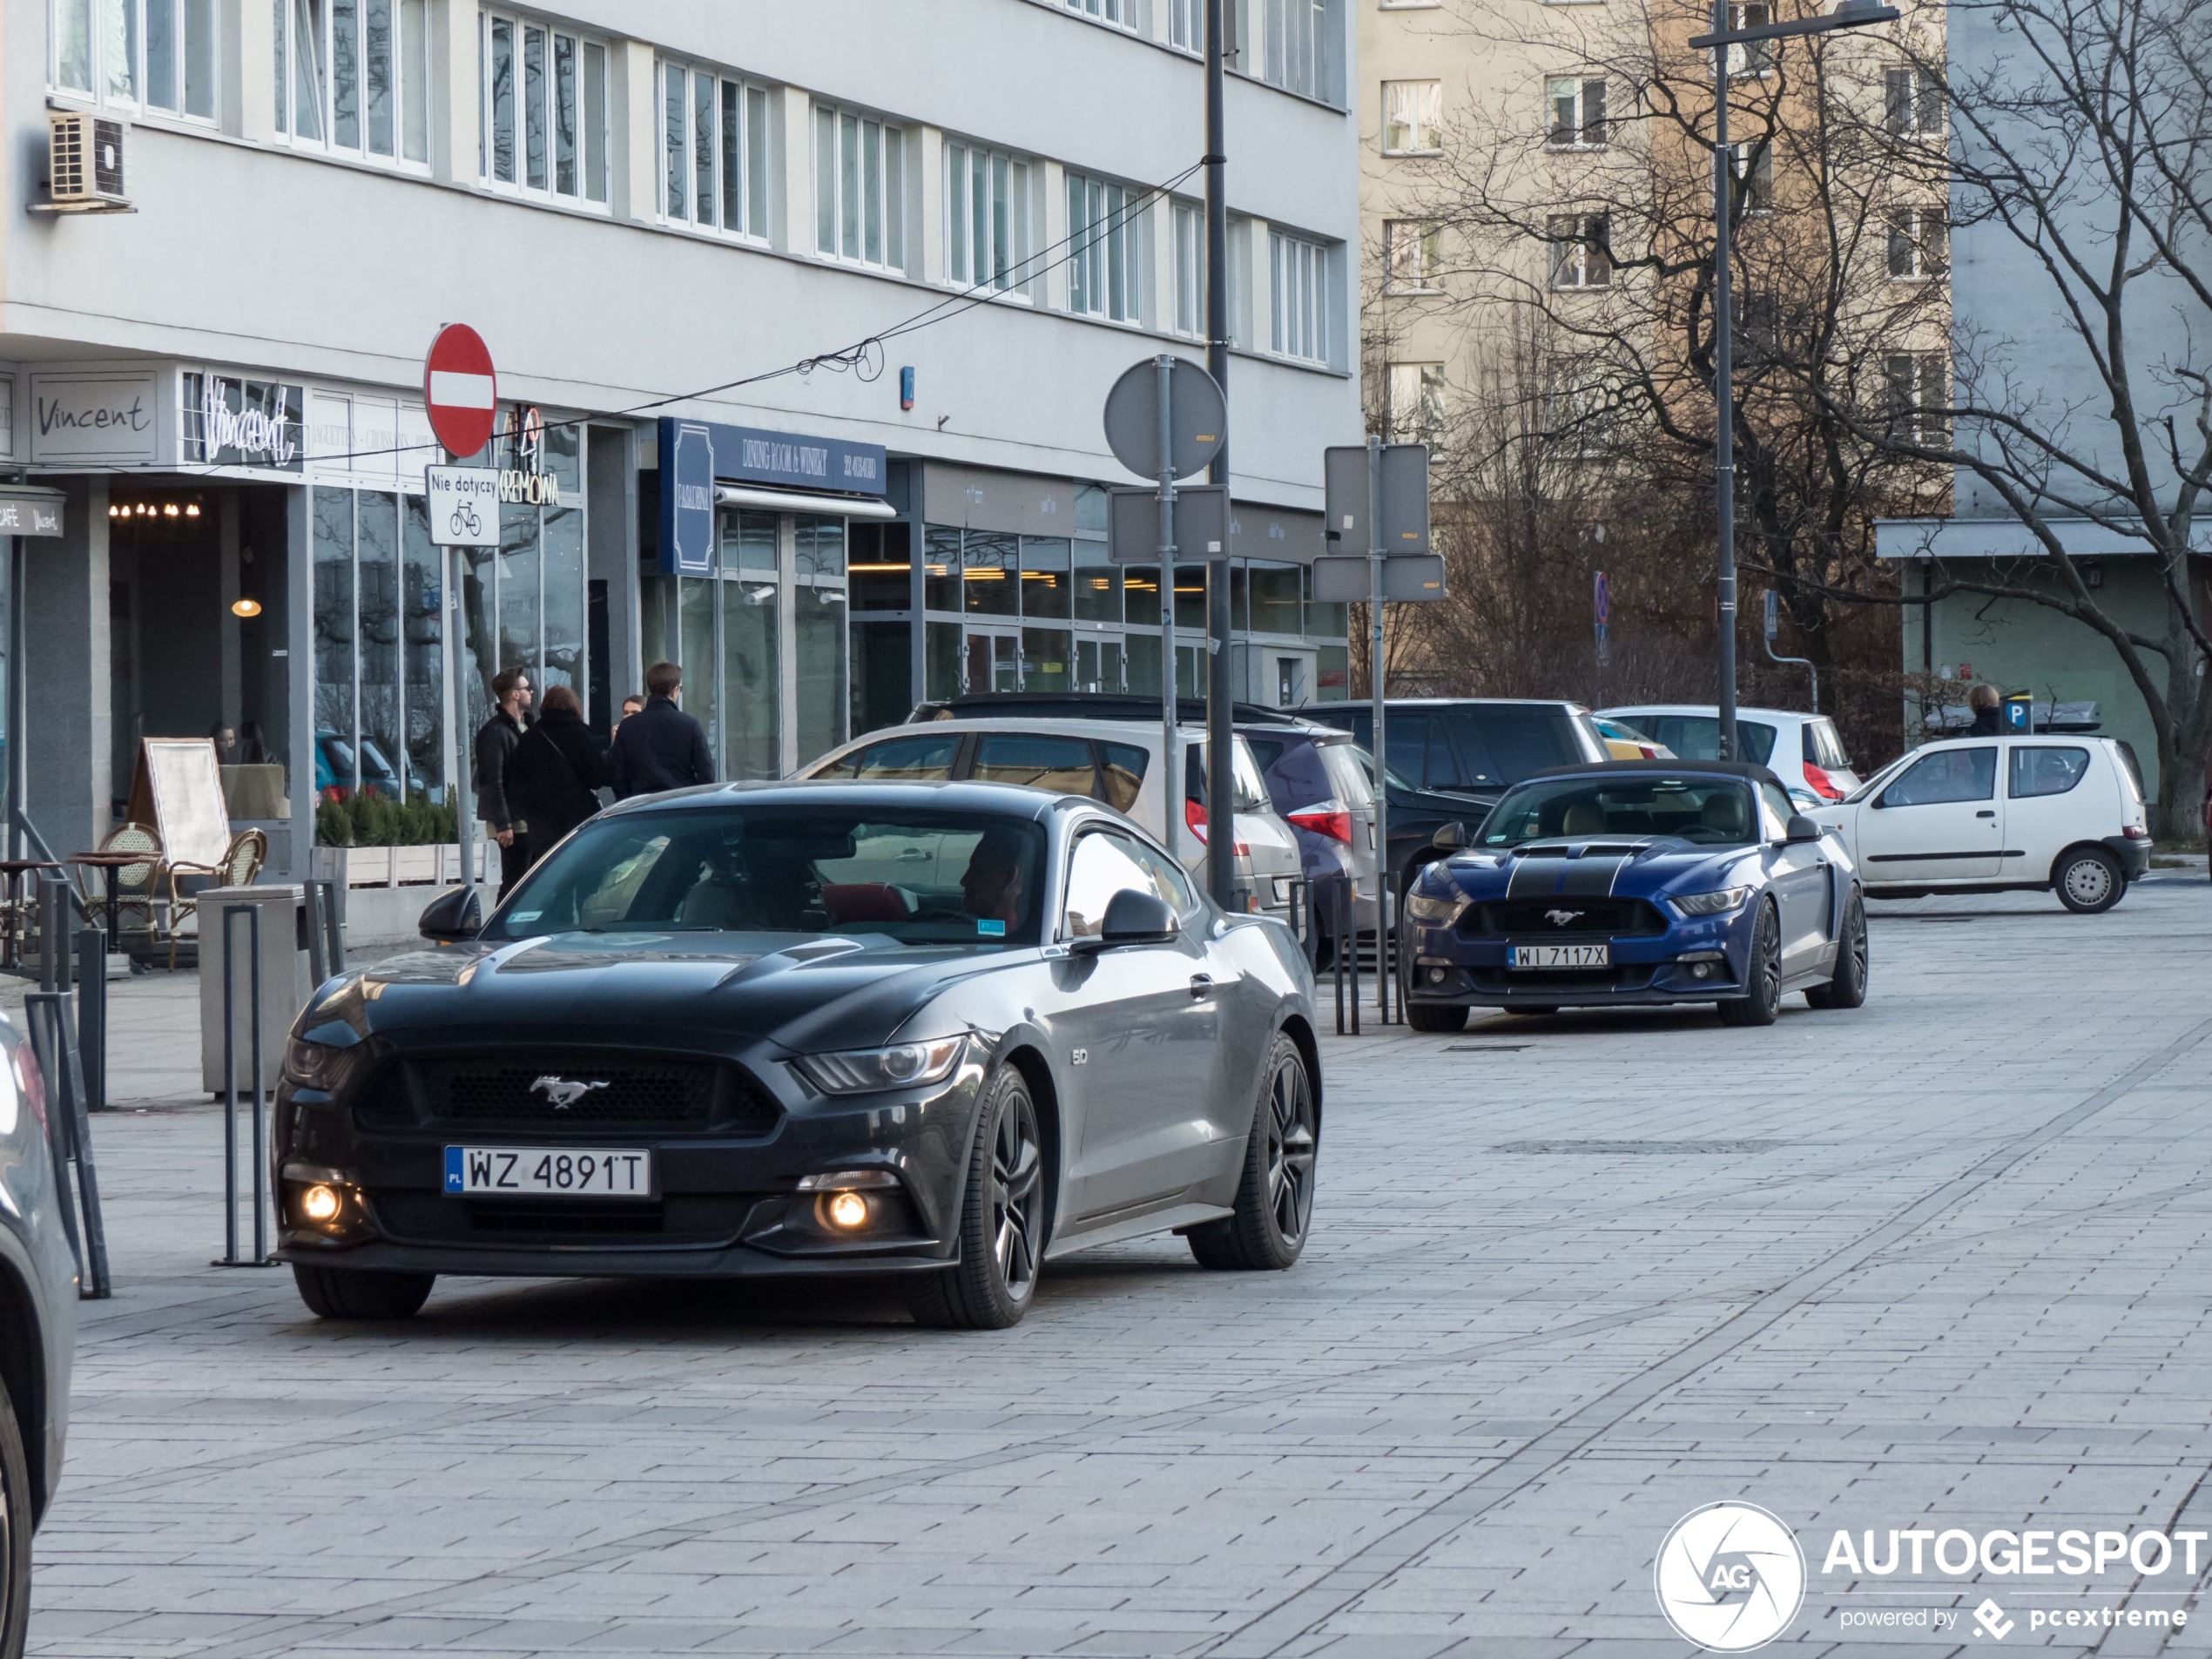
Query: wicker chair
[241,863]
[138,887]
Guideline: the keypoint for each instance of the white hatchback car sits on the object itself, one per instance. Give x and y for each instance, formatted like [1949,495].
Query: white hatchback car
[1991,814]
[1797,748]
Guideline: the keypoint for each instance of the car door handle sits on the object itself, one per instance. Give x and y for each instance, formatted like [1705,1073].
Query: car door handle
[913,855]
[1986,813]
[1201,985]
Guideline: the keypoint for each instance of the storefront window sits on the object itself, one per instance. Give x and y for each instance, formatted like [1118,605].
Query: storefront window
[1275,597]
[1098,584]
[942,644]
[990,565]
[335,679]
[376,550]
[518,595]
[752,737]
[1140,585]
[1045,664]
[882,568]
[1044,577]
[882,673]
[423,588]
[940,587]
[817,633]
[561,662]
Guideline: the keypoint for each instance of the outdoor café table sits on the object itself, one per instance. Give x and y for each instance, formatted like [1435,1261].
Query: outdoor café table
[110,865]
[17,923]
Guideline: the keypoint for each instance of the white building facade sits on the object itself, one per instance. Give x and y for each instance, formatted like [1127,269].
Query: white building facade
[874,264]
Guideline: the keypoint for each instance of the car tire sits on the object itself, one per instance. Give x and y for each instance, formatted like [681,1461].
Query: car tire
[1438,1017]
[15,1532]
[1761,1000]
[1001,1219]
[1275,1196]
[357,1294]
[1847,989]
[2088,881]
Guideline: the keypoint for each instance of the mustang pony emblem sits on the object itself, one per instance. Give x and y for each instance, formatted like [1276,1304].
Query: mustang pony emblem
[1557,918]
[563,1092]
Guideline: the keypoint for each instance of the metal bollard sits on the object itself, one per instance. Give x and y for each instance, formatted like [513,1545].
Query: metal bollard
[230,1258]
[92,1015]
[70,1137]
[53,931]
[1348,942]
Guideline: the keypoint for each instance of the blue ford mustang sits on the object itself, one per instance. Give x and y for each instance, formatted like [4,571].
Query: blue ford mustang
[1634,883]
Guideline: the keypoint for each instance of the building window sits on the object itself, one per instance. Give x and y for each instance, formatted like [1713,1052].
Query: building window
[860,188]
[158,55]
[714,146]
[1753,56]
[1298,290]
[1187,25]
[1577,109]
[988,242]
[1579,251]
[1114,11]
[1415,393]
[1912,101]
[1920,239]
[1917,388]
[1755,172]
[1105,251]
[1413,118]
[1578,407]
[1299,38]
[1411,256]
[1189,269]
[355,75]
[544,110]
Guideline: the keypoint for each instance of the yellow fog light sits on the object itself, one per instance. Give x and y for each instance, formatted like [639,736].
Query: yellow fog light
[320,1204]
[847,1211]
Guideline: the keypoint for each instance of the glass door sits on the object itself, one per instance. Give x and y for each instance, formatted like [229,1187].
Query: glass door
[993,660]
[1098,665]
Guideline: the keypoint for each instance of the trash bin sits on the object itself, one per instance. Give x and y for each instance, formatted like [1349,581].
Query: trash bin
[284,979]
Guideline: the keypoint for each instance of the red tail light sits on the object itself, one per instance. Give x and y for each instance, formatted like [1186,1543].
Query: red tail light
[1822,784]
[2134,833]
[1193,814]
[1324,818]
[31,1084]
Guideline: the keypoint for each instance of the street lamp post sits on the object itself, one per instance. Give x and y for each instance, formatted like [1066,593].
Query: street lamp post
[1852,14]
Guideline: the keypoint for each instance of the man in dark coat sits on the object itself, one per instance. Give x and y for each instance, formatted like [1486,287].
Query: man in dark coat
[1988,710]
[660,746]
[496,740]
[555,772]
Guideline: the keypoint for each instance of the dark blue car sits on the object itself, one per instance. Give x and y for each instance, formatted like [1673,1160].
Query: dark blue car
[1635,883]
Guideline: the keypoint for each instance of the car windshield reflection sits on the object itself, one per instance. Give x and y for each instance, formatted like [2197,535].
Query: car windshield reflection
[1709,811]
[917,878]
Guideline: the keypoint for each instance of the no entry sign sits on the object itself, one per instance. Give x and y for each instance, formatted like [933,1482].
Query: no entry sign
[461,389]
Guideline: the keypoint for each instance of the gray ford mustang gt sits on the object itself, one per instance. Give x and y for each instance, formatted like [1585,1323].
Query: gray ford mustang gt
[943,1032]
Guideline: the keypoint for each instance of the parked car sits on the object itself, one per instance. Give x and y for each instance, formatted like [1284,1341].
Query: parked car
[1451,759]
[1113,761]
[1624,742]
[334,768]
[1315,778]
[2069,816]
[37,1327]
[1634,883]
[940,1035]
[1795,747]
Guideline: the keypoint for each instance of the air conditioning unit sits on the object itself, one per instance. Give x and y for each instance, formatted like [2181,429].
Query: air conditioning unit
[83,164]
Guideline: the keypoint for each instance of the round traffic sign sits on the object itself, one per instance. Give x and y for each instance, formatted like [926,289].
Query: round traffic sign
[461,389]
[1197,414]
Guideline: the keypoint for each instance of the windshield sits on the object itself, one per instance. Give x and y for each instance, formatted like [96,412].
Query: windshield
[1367,769]
[918,876]
[1713,812]
[1867,786]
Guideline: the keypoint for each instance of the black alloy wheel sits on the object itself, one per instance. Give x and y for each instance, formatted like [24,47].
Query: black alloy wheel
[1002,1225]
[1762,997]
[2088,881]
[357,1294]
[1847,989]
[15,1532]
[1275,1198]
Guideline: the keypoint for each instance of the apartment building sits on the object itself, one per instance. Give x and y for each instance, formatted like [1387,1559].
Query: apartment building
[857,275]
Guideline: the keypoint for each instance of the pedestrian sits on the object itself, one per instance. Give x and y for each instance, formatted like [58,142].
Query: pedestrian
[554,775]
[661,747]
[1988,710]
[225,741]
[633,704]
[496,740]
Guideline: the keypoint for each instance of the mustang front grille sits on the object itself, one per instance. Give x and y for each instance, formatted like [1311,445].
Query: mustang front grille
[1532,920]
[560,1090]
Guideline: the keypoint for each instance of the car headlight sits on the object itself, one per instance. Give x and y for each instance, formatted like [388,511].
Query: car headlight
[1433,909]
[317,1065]
[1711,904]
[859,1071]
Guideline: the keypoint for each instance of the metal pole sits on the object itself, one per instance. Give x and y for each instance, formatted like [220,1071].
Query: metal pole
[1170,771]
[464,773]
[18,685]
[1375,692]
[230,1095]
[1724,392]
[260,1122]
[1221,773]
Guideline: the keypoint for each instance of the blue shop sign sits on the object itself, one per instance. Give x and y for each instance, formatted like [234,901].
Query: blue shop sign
[696,455]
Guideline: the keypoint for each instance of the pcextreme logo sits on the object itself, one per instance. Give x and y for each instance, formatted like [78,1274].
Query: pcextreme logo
[1730,1577]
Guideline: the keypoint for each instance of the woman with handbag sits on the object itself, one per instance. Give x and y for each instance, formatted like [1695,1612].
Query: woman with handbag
[557,769]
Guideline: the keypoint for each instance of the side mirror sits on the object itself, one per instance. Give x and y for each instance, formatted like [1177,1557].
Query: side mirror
[1450,838]
[1134,918]
[1801,829]
[452,917]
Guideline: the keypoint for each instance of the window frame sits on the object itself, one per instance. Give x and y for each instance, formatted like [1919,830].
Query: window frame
[408,125]
[1907,396]
[1018,174]
[1098,259]
[844,215]
[1423,123]
[743,111]
[1918,114]
[1571,240]
[1424,237]
[1429,382]
[1927,257]
[1584,131]
[1111,14]
[1187,257]
[137,101]
[1301,267]
[582,46]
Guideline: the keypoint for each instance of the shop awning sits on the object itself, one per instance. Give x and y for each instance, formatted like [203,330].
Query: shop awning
[786,501]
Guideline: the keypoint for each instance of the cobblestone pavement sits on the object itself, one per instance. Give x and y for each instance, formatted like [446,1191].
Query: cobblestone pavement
[1925,1265]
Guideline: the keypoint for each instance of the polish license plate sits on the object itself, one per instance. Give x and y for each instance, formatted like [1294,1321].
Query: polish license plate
[1562,956]
[534,1171]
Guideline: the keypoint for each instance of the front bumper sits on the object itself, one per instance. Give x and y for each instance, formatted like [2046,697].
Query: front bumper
[1699,961]
[726,1204]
